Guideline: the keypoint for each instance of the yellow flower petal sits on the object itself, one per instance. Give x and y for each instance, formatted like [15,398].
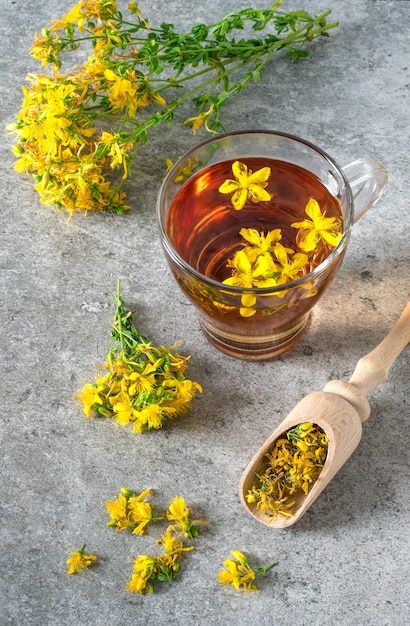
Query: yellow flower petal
[228,186]
[312,209]
[308,241]
[251,235]
[259,193]
[239,556]
[240,171]
[239,198]
[260,176]
[248,300]
[331,237]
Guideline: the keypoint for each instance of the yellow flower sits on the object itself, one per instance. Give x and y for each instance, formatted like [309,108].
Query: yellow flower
[247,185]
[291,269]
[118,151]
[152,416]
[141,513]
[199,120]
[117,510]
[247,274]
[89,396]
[79,560]
[124,411]
[179,512]
[139,584]
[76,16]
[130,511]
[145,568]
[142,382]
[261,244]
[183,391]
[318,228]
[45,49]
[238,573]
[123,92]
[144,564]
[171,544]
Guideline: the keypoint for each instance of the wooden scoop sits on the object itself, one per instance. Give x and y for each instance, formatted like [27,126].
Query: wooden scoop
[339,410]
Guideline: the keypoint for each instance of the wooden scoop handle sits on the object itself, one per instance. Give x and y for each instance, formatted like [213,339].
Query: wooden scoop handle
[373,369]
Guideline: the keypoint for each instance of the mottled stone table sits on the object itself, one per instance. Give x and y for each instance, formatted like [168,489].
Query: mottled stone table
[346,562]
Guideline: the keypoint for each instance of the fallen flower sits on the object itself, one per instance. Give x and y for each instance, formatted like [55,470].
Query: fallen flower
[79,560]
[240,574]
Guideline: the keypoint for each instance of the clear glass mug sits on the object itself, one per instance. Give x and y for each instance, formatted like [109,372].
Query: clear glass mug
[250,322]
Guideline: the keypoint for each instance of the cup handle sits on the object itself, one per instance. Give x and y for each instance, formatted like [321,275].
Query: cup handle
[367,178]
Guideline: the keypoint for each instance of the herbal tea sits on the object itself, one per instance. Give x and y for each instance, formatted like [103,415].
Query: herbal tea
[252,224]
[255,239]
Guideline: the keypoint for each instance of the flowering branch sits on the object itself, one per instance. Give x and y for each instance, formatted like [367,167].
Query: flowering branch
[144,384]
[129,66]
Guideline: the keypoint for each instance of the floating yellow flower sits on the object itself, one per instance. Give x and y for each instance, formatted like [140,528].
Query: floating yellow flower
[318,228]
[248,274]
[291,268]
[240,574]
[260,244]
[79,560]
[251,274]
[247,185]
[265,262]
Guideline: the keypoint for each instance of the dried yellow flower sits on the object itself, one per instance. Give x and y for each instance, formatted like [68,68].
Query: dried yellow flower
[293,465]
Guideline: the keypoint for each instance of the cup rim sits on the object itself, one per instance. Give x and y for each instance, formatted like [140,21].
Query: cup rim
[232,289]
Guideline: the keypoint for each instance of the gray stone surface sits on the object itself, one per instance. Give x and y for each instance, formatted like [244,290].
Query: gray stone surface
[347,561]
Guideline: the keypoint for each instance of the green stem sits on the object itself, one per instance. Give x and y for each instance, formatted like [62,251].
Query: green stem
[264,570]
[123,329]
[118,314]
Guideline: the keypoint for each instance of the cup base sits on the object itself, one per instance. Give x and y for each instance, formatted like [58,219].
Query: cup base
[254,348]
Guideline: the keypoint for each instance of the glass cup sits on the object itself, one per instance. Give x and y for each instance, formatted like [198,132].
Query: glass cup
[200,228]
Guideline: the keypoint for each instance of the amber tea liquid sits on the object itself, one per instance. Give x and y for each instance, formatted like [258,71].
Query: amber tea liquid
[204,227]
